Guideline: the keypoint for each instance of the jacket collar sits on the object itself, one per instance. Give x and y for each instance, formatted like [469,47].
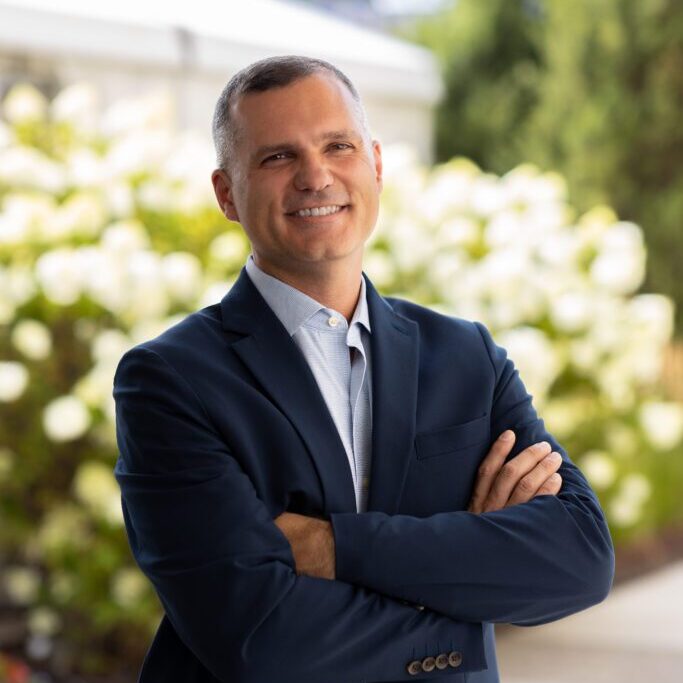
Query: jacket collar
[284,375]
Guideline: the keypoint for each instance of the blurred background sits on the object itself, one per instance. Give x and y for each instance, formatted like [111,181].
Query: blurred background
[533,180]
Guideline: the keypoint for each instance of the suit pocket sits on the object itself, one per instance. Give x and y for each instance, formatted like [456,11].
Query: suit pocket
[453,439]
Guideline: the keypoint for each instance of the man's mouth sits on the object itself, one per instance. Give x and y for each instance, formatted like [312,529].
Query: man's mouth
[326,210]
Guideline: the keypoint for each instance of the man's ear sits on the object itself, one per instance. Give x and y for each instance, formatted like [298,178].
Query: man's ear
[222,186]
[377,155]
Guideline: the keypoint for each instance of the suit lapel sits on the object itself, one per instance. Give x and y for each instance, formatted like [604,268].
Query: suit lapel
[278,365]
[394,343]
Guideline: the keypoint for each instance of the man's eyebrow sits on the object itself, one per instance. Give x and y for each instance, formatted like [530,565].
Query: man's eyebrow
[324,137]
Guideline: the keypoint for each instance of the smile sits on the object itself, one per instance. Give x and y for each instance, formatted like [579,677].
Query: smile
[318,211]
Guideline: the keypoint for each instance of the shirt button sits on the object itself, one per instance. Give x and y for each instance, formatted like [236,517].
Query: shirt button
[333,321]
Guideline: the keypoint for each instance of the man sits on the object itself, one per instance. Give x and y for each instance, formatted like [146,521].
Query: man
[316,478]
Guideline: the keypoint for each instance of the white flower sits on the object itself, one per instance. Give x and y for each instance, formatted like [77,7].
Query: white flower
[652,313]
[145,282]
[229,249]
[380,268]
[118,197]
[182,275]
[624,512]
[621,439]
[44,621]
[620,264]
[32,338]
[599,468]
[125,236]
[148,328]
[128,586]
[24,102]
[157,194]
[109,345]
[58,275]
[534,356]
[19,283]
[64,526]
[27,167]
[6,135]
[662,423]
[82,214]
[153,112]
[77,104]
[95,486]
[24,216]
[13,380]
[559,249]
[103,278]
[637,487]
[21,584]
[617,272]
[571,311]
[486,198]
[410,244]
[626,507]
[214,292]
[458,232]
[66,418]
[564,415]
[137,152]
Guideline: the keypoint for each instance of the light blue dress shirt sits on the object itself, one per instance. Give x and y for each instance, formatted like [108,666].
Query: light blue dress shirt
[327,341]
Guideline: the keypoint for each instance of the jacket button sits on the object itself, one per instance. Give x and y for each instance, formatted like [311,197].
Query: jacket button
[455,659]
[415,667]
[442,661]
[428,664]
[420,607]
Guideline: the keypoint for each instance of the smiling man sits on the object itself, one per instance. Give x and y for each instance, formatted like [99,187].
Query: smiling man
[325,485]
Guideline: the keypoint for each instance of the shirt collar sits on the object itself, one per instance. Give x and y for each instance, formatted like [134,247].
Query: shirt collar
[292,307]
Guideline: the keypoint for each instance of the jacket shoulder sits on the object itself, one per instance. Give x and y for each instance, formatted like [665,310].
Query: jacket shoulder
[196,331]
[431,321]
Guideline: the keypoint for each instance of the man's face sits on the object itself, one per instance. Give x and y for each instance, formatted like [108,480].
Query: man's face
[302,146]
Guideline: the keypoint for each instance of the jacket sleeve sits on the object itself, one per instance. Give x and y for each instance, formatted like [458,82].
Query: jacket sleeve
[527,564]
[224,571]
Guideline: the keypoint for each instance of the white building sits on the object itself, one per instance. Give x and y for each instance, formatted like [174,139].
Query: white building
[128,47]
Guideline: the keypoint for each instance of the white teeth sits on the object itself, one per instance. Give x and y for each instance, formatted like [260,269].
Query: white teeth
[319,211]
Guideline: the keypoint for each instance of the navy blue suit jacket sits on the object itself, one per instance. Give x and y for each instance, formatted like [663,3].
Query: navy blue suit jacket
[221,427]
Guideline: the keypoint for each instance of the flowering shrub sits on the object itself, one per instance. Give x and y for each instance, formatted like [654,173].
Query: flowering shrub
[109,234]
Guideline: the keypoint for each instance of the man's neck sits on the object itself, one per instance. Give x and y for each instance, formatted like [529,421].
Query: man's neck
[338,290]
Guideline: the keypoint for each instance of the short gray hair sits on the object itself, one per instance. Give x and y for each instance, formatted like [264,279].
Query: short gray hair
[266,74]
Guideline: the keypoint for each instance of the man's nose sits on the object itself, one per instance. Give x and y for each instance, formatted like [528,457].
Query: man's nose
[312,173]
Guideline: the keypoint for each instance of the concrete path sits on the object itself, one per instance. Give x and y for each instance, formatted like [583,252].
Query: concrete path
[636,634]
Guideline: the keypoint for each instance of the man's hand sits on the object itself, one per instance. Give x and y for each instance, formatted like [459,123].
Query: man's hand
[531,473]
[312,542]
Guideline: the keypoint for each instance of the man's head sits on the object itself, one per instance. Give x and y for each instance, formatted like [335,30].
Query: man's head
[291,134]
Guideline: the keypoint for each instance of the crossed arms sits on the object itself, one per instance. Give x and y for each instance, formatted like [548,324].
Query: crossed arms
[226,574]
[499,485]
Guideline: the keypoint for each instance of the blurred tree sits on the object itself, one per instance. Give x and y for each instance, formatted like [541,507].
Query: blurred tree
[591,89]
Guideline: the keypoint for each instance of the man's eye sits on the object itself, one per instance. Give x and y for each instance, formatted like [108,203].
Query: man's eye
[276,156]
[341,144]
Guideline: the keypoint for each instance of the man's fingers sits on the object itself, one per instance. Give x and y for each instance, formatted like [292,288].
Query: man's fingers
[529,485]
[551,486]
[489,468]
[511,473]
